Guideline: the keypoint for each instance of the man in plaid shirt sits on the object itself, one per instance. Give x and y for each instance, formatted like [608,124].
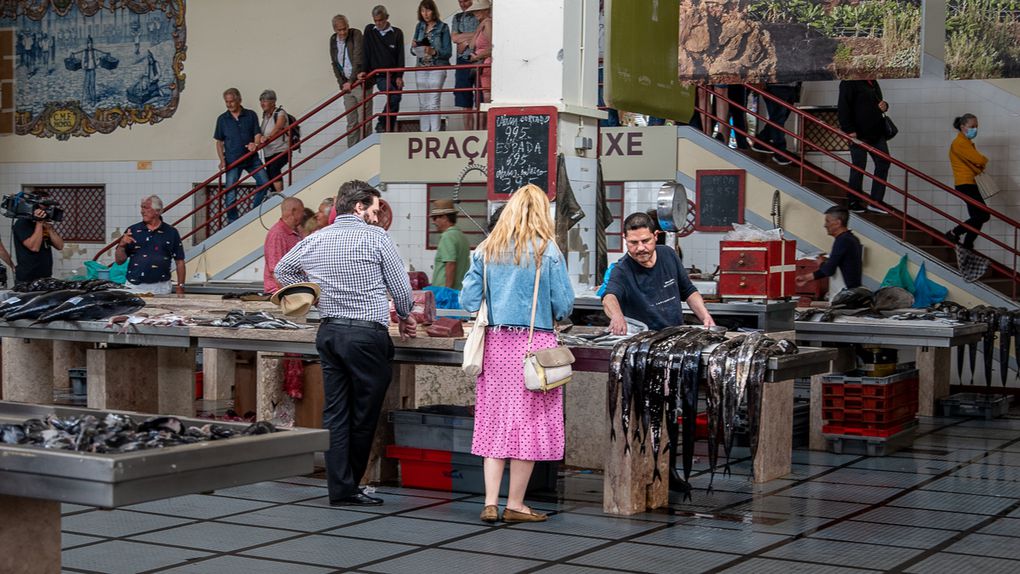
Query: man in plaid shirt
[355,264]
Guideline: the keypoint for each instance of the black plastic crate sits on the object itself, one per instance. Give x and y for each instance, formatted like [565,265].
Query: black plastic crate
[987,407]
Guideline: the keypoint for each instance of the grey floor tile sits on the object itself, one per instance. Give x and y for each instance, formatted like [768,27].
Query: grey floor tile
[305,480]
[1001,423]
[873,477]
[985,486]
[921,517]
[929,452]
[770,566]
[971,431]
[420,492]
[993,472]
[121,557]
[698,538]
[843,553]
[657,515]
[214,536]
[440,560]
[742,484]
[887,534]
[841,492]
[68,540]
[594,526]
[409,530]
[1001,458]
[66,508]
[273,492]
[943,563]
[114,523]
[571,569]
[1003,527]
[761,522]
[302,518]
[391,503]
[198,506]
[242,565]
[451,511]
[650,558]
[903,464]
[986,545]
[517,542]
[955,442]
[702,499]
[790,506]
[544,506]
[329,551]
[952,502]
[806,471]
[819,458]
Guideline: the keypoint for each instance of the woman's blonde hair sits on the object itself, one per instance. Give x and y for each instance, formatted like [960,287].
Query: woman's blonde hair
[525,222]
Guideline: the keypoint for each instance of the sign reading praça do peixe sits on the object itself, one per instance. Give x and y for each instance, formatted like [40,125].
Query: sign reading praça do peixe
[628,154]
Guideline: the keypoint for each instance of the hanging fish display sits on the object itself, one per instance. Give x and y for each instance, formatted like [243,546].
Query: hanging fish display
[657,374]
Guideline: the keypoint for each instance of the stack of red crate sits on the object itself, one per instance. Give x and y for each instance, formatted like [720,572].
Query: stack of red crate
[869,406]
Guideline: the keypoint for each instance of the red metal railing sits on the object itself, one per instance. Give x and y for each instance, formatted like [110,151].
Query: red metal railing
[909,200]
[366,98]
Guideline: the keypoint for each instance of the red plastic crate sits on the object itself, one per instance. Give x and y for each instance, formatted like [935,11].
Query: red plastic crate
[423,468]
[701,428]
[870,418]
[866,430]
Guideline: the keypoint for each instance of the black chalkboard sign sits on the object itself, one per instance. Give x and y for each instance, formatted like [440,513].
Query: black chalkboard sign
[719,199]
[522,150]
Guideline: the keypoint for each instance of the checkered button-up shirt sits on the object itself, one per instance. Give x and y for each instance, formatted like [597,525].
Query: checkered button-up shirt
[354,264]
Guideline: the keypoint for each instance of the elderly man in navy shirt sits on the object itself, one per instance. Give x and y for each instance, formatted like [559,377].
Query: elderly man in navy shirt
[152,245]
[235,134]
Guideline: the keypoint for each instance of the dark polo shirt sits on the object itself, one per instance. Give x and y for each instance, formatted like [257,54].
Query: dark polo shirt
[152,252]
[236,133]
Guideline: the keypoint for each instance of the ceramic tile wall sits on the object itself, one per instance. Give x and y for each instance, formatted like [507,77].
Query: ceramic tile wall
[125,186]
[924,109]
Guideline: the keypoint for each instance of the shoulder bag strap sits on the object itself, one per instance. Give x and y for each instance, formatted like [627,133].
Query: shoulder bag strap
[534,304]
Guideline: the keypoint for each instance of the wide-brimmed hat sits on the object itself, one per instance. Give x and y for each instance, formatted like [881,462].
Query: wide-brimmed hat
[442,207]
[295,300]
[480,5]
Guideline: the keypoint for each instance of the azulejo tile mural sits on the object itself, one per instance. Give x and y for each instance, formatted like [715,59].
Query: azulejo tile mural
[92,66]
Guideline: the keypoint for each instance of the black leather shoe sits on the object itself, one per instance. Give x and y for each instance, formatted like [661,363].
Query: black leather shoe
[359,499]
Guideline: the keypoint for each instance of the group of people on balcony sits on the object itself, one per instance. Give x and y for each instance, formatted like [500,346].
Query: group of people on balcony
[355,54]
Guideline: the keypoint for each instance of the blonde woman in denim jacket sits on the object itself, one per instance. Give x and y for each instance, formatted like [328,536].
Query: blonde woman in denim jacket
[512,422]
[433,47]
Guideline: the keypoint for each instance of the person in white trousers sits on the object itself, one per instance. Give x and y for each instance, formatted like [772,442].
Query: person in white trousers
[433,47]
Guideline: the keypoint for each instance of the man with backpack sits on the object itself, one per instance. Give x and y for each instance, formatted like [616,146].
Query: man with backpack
[348,62]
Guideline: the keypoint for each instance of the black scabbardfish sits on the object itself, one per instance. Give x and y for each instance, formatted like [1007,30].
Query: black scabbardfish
[1005,331]
[17,300]
[41,304]
[94,305]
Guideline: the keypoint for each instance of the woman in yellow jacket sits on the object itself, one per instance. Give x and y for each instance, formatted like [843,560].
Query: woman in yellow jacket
[967,162]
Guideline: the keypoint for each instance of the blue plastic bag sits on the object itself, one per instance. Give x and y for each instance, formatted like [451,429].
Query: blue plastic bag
[605,280]
[116,273]
[926,291]
[446,298]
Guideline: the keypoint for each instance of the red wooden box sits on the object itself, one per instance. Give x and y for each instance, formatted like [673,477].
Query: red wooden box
[757,269]
[816,289]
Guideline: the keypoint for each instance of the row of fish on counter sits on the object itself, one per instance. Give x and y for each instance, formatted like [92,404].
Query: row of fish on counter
[657,373]
[117,433]
[1002,323]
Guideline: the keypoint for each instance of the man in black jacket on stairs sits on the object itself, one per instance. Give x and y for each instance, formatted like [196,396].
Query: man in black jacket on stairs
[384,48]
[861,110]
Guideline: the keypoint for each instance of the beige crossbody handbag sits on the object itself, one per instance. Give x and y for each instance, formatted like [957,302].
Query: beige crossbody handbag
[545,369]
[474,346]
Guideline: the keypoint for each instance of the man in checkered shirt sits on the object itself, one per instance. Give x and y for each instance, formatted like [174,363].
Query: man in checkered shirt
[355,264]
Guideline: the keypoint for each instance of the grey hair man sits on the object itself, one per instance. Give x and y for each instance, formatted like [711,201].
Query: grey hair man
[347,59]
[150,247]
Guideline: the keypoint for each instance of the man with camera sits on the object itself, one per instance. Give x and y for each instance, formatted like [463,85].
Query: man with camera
[33,240]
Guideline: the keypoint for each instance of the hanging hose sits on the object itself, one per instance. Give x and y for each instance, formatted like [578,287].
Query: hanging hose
[777,211]
[456,191]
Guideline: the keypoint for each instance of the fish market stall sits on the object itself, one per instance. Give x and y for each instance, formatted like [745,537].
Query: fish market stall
[767,315]
[656,376]
[35,480]
[933,340]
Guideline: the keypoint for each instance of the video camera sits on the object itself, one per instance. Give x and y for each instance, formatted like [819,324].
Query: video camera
[24,204]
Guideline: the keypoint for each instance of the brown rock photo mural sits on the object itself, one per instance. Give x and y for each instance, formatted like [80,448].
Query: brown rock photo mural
[731,41]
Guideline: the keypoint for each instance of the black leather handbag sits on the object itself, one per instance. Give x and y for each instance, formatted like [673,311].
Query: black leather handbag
[890,128]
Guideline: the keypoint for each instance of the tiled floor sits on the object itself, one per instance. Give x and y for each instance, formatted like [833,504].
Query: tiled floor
[950,504]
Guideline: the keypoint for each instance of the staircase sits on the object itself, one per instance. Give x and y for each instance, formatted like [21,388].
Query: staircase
[1001,277]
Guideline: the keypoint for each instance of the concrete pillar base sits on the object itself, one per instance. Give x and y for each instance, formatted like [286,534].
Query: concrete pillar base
[123,379]
[176,381]
[28,371]
[67,355]
[218,368]
[30,534]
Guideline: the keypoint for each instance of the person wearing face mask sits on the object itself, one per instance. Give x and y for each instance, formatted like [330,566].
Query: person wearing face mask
[355,264]
[967,162]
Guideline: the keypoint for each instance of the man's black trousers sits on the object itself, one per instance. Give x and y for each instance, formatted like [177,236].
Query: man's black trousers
[356,372]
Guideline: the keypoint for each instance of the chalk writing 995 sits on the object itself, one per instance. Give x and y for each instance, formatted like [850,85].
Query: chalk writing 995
[522,148]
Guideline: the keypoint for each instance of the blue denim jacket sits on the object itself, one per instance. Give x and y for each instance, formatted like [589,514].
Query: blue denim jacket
[439,39]
[510,289]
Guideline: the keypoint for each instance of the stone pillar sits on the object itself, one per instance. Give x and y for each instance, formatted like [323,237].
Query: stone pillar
[28,371]
[845,360]
[775,432]
[176,381]
[630,485]
[268,384]
[934,372]
[586,423]
[218,368]
[67,355]
[553,61]
[123,379]
[30,535]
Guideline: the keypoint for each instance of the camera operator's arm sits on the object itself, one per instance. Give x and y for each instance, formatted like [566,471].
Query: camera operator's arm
[55,239]
[5,256]
[34,242]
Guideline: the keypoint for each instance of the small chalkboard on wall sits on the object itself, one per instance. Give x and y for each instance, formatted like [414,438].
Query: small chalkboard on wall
[522,150]
[719,199]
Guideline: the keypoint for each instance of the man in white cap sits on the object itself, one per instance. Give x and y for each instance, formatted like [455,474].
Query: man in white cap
[355,264]
[453,254]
